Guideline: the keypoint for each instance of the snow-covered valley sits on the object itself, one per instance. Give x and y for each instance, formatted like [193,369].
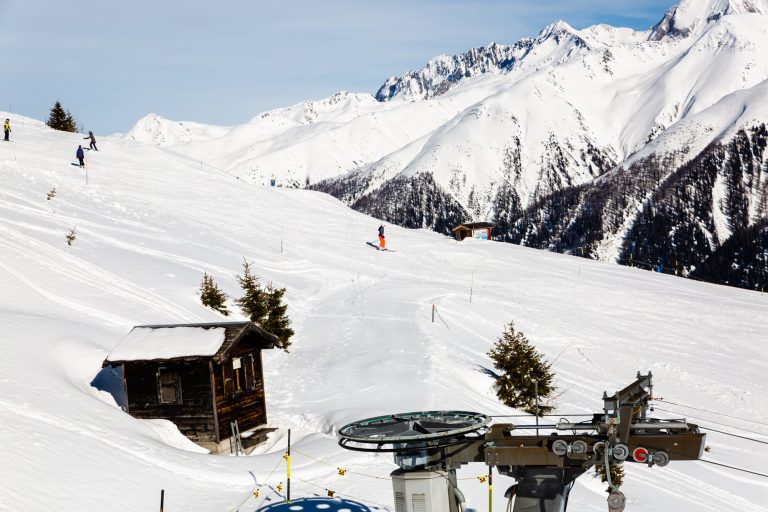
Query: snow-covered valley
[149,222]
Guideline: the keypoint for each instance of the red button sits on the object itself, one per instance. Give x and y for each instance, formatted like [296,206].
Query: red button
[640,454]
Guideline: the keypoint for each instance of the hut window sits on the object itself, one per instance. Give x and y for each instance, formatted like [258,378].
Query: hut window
[226,374]
[168,386]
[250,380]
[237,369]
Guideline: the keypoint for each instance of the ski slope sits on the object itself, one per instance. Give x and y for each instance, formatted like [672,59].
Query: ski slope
[149,222]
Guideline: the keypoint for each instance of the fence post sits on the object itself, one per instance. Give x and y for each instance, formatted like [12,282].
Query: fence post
[288,481]
[490,488]
[536,392]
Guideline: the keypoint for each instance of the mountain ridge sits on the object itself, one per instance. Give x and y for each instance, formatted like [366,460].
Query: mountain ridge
[496,130]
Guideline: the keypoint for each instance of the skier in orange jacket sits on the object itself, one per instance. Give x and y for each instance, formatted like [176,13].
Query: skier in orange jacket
[382,241]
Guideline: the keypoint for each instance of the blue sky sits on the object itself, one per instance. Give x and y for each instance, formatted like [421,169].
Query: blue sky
[110,62]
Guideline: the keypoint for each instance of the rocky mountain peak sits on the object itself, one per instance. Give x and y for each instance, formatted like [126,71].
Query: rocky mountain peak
[689,15]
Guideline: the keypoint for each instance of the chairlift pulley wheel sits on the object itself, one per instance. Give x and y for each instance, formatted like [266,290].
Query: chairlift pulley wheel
[413,428]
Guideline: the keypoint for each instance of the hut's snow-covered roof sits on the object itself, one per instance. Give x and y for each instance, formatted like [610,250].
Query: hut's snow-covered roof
[474,225]
[151,343]
[180,341]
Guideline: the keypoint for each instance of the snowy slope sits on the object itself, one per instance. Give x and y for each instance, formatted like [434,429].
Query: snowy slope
[150,222]
[720,122]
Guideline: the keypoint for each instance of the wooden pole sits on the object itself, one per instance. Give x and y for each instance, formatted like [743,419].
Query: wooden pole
[162,499]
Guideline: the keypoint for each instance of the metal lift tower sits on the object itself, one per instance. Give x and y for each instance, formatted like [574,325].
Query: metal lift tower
[430,446]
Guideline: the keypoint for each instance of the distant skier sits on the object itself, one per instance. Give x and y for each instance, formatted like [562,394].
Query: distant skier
[7,129]
[93,141]
[80,155]
[382,241]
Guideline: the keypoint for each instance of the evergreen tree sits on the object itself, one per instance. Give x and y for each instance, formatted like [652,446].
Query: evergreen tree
[520,367]
[212,297]
[277,322]
[253,302]
[59,119]
[264,306]
[617,474]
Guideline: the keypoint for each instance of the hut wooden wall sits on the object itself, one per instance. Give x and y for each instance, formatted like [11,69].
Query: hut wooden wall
[247,406]
[193,416]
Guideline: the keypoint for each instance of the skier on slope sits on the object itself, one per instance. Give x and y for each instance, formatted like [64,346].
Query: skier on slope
[80,155]
[7,129]
[382,241]
[93,140]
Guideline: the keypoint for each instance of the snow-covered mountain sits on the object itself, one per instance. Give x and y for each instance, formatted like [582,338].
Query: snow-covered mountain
[158,131]
[148,224]
[497,130]
[690,15]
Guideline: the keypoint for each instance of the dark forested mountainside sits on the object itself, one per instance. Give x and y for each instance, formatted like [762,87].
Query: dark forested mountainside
[705,218]
[741,261]
[412,202]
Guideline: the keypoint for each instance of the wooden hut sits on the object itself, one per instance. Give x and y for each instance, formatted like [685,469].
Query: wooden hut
[480,230]
[202,377]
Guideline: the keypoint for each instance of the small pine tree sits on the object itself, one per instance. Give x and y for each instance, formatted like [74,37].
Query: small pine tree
[212,297]
[71,236]
[264,306]
[520,365]
[277,322]
[253,302]
[62,120]
[617,475]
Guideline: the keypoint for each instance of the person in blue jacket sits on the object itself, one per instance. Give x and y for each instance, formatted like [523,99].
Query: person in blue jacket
[80,155]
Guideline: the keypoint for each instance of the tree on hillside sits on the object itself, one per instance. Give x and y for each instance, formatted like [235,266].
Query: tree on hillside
[252,303]
[59,119]
[521,368]
[264,306]
[277,322]
[212,297]
[617,474]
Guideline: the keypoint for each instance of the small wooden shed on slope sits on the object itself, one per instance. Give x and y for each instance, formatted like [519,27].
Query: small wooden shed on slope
[480,230]
[202,377]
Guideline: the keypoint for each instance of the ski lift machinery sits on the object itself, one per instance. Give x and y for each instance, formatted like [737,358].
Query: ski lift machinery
[430,446]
